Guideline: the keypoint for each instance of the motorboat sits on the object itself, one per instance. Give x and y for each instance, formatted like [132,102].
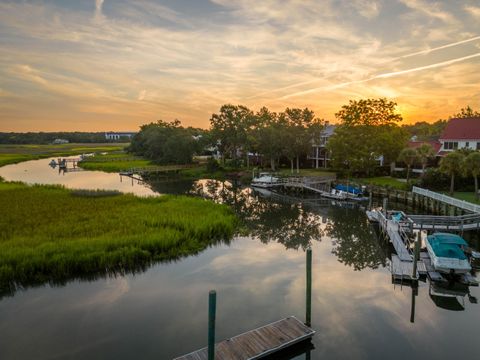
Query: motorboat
[447,253]
[264,180]
[351,192]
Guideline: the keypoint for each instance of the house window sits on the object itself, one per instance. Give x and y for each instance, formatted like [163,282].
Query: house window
[467,144]
[450,145]
[478,145]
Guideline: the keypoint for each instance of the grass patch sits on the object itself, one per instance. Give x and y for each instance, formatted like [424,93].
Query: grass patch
[13,154]
[385,181]
[51,234]
[305,172]
[114,162]
[467,196]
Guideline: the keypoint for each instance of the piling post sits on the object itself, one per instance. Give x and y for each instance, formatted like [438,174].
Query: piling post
[308,314]
[385,204]
[416,256]
[212,307]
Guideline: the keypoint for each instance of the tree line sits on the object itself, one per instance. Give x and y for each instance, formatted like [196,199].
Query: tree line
[49,137]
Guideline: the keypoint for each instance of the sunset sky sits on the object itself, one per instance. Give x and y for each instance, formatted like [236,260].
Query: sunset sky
[116,64]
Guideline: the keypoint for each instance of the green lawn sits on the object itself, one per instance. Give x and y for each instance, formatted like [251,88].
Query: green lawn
[12,154]
[386,181]
[305,172]
[467,196]
[49,233]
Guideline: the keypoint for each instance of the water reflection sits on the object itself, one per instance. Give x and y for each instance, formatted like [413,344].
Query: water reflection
[161,312]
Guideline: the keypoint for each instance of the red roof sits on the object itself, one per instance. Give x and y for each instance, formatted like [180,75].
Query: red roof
[462,129]
[436,145]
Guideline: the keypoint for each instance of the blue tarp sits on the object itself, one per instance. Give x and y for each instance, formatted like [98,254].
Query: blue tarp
[447,245]
[350,189]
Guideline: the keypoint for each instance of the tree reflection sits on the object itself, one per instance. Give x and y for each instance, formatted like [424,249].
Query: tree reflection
[288,224]
[355,242]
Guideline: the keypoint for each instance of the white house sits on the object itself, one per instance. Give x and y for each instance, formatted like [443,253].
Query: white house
[319,154]
[460,134]
[118,135]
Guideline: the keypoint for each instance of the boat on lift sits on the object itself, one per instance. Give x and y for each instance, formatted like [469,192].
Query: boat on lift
[264,180]
[447,253]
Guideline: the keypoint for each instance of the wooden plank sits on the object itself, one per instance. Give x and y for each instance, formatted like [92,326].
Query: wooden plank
[257,343]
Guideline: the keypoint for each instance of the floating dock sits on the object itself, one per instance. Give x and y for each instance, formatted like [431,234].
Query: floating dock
[257,343]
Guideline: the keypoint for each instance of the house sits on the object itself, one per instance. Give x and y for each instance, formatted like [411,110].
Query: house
[59,141]
[319,153]
[460,133]
[118,135]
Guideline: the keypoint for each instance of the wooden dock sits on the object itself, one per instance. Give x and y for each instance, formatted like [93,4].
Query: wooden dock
[403,270]
[258,343]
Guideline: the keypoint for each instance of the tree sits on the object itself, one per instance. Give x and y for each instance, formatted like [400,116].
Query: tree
[451,165]
[408,156]
[301,126]
[164,142]
[472,167]
[467,112]
[230,127]
[367,131]
[424,153]
[268,135]
[370,112]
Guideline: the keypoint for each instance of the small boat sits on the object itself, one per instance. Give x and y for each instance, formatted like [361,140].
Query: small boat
[373,215]
[264,180]
[447,252]
[352,193]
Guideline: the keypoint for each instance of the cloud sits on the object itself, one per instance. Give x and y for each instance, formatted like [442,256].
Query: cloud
[473,10]
[98,10]
[427,51]
[430,9]
[384,76]
[367,8]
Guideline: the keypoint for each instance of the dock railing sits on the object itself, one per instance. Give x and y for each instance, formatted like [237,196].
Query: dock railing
[462,204]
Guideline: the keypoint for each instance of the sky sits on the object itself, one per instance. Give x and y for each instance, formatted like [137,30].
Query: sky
[99,65]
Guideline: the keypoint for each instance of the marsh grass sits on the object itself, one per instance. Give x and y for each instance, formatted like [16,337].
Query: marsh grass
[13,154]
[51,234]
[114,162]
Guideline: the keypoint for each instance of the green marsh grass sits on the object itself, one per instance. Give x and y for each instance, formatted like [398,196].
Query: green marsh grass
[115,162]
[51,234]
[13,154]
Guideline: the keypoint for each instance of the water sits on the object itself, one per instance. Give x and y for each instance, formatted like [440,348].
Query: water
[259,277]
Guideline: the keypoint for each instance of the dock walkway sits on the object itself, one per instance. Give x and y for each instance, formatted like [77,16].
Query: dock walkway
[461,204]
[257,343]
[395,234]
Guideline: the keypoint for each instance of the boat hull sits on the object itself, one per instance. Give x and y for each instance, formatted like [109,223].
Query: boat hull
[448,265]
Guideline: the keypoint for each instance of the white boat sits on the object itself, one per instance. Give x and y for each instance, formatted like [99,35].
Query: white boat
[373,215]
[264,180]
[447,252]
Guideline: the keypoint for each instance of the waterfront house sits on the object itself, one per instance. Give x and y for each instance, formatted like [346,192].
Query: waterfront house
[460,133]
[118,135]
[319,154]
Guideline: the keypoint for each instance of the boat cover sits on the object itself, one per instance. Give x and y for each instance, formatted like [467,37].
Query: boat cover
[350,189]
[447,245]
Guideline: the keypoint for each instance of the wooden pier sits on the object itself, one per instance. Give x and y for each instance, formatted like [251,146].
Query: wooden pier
[257,343]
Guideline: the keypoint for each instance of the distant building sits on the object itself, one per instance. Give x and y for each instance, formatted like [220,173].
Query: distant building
[60,141]
[319,154]
[460,133]
[118,135]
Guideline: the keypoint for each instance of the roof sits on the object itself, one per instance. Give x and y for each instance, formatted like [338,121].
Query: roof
[436,145]
[462,129]
[328,130]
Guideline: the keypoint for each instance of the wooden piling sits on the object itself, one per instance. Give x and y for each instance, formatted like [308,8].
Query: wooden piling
[416,255]
[308,315]
[212,307]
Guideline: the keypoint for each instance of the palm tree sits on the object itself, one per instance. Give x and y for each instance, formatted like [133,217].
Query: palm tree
[424,153]
[408,156]
[451,165]
[471,166]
